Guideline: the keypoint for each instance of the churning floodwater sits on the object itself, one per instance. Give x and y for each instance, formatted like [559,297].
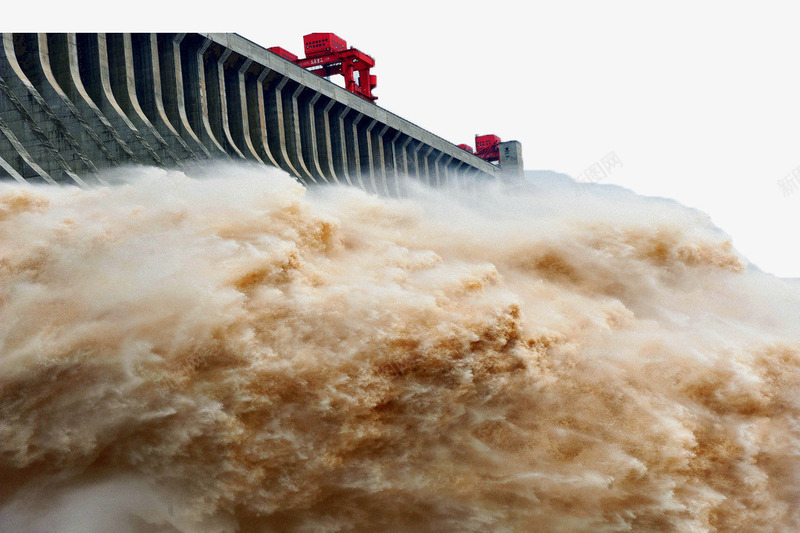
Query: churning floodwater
[228,351]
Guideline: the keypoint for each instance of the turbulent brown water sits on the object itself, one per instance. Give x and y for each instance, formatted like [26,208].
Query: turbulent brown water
[232,352]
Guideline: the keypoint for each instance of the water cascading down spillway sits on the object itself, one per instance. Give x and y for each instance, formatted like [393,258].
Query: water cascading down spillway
[194,341]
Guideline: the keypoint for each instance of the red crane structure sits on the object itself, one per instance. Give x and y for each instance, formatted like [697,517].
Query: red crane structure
[487,147]
[327,54]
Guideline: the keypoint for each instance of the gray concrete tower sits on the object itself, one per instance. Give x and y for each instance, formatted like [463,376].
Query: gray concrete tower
[511,167]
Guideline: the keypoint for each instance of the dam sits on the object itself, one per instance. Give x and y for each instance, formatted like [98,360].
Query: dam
[72,104]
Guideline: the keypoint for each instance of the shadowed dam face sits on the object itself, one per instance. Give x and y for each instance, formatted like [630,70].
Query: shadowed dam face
[227,351]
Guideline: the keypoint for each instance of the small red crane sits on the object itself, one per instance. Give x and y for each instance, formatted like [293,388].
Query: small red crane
[487,147]
[466,147]
[327,54]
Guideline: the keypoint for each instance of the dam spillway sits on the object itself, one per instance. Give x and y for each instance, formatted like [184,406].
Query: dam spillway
[72,104]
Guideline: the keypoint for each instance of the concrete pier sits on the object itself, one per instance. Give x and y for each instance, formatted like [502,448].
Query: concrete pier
[72,104]
[511,162]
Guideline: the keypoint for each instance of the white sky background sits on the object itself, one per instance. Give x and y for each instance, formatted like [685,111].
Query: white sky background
[699,100]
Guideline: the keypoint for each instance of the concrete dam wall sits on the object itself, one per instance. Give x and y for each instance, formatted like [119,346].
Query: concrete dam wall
[72,104]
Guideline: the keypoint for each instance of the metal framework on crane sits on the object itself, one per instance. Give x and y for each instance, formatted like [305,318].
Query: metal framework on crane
[327,54]
[487,147]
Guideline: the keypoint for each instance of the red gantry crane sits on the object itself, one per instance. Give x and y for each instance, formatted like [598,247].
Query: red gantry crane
[488,147]
[327,54]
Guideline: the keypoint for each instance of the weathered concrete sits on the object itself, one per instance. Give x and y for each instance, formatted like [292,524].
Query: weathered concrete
[71,104]
[511,161]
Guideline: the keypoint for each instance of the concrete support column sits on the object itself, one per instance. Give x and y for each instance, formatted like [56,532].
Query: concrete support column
[216,114]
[339,144]
[7,170]
[146,74]
[380,160]
[456,175]
[195,94]
[111,107]
[218,80]
[394,163]
[48,97]
[447,170]
[22,164]
[425,167]
[401,164]
[174,92]
[472,177]
[237,109]
[23,131]
[413,161]
[366,160]
[67,79]
[276,124]
[351,136]
[33,123]
[123,83]
[437,177]
[257,115]
[325,143]
[296,127]
[311,144]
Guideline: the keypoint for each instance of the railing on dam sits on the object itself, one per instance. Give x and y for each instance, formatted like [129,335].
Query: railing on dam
[71,104]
